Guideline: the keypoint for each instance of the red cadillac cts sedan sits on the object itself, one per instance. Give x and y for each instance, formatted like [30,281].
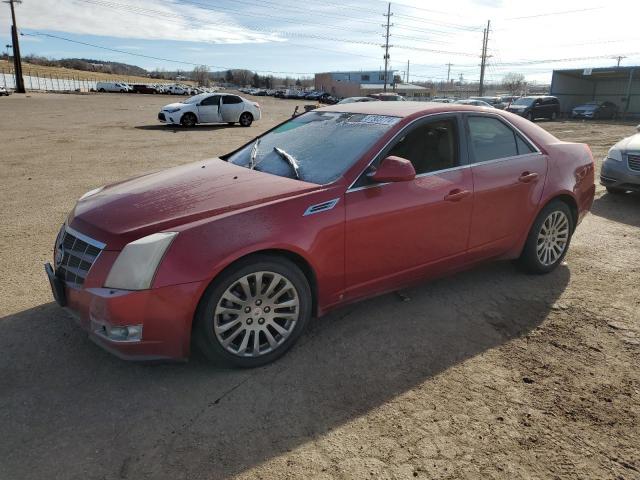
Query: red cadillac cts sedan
[235,254]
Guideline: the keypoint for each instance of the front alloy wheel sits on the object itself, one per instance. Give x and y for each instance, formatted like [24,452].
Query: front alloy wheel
[253,312]
[256,314]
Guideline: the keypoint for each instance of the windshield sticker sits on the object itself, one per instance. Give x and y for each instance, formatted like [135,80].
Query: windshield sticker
[380,119]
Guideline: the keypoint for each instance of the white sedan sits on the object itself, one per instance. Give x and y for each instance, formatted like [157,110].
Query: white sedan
[211,108]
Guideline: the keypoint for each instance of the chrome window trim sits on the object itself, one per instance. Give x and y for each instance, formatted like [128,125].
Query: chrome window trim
[85,238]
[351,187]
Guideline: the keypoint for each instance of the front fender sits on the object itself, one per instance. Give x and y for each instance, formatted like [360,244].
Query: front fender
[205,248]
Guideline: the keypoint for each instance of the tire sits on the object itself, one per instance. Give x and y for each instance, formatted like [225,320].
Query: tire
[101,90]
[212,328]
[539,256]
[188,120]
[554,116]
[246,119]
[615,190]
[530,117]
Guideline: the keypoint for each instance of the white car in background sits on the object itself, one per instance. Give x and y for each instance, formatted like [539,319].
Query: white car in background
[113,87]
[211,108]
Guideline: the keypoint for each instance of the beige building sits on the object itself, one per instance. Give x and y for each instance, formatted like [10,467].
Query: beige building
[363,83]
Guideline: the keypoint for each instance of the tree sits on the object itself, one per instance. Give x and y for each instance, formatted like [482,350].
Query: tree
[514,83]
[228,76]
[200,75]
[256,80]
[298,82]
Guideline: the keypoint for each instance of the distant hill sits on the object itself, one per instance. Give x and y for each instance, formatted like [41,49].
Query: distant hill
[88,65]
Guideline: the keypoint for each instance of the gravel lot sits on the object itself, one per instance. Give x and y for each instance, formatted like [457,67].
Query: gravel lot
[487,374]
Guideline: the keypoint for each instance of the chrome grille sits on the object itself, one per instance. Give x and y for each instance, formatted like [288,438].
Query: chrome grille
[75,253]
[634,162]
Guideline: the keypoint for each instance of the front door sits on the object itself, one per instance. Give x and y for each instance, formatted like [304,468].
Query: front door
[396,232]
[508,179]
[209,110]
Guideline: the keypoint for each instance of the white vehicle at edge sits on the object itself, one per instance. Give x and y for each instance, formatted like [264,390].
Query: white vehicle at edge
[113,87]
[211,108]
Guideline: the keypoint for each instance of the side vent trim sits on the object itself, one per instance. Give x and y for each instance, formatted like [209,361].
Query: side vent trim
[321,207]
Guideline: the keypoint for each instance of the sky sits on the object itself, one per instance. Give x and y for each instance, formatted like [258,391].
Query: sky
[298,39]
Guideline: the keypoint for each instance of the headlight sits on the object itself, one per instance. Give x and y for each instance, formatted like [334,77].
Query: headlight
[614,154]
[91,192]
[172,110]
[137,263]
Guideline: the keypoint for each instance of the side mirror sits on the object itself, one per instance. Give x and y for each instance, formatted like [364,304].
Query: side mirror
[393,169]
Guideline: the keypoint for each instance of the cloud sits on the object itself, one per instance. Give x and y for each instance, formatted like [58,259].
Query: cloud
[135,19]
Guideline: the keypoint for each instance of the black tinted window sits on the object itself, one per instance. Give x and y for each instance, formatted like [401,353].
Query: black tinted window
[227,99]
[214,100]
[491,139]
[430,146]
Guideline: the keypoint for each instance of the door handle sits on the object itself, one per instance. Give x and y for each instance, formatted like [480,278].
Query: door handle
[456,195]
[528,177]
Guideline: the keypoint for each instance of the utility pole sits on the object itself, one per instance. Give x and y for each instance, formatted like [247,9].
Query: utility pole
[386,45]
[619,58]
[407,72]
[483,64]
[17,61]
[448,72]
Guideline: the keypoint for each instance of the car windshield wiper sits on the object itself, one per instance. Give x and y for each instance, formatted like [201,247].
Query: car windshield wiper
[254,154]
[290,160]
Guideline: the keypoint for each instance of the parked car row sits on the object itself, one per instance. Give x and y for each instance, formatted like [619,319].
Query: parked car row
[312,95]
[151,88]
[3,91]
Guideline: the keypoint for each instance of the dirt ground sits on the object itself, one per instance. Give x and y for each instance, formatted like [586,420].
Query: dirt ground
[487,374]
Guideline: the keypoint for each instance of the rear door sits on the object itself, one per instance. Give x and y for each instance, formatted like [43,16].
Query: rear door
[231,108]
[508,179]
[209,110]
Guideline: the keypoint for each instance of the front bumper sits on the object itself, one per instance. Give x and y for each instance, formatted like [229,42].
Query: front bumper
[586,115]
[165,315]
[165,117]
[618,175]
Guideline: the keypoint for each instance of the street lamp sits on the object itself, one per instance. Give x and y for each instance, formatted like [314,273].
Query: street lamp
[8,46]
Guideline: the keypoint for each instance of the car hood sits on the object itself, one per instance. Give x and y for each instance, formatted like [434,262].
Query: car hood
[174,105]
[125,211]
[631,143]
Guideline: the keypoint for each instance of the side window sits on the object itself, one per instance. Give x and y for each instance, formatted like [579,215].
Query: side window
[491,139]
[213,100]
[230,99]
[430,146]
[523,147]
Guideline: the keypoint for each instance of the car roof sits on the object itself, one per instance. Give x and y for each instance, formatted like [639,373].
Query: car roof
[398,109]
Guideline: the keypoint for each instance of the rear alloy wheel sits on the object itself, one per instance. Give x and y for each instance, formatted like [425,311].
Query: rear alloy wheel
[188,120]
[254,312]
[246,119]
[549,239]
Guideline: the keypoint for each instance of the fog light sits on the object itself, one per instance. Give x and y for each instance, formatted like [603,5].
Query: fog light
[127,333]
